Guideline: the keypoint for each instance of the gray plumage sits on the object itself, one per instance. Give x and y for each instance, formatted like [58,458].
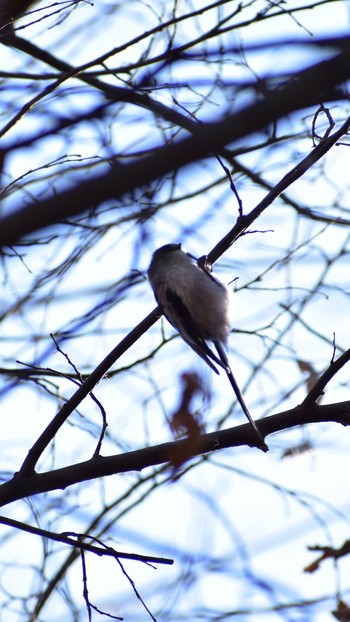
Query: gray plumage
[193,301]
[197,305]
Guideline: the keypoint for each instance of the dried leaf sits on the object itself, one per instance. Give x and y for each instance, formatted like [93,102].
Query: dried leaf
[185,422]
[342,613]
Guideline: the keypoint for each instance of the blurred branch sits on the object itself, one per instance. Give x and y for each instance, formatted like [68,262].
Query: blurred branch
[308,87]
[11,10]
[245,221]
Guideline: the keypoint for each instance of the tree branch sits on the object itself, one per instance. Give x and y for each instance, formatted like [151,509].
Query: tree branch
[245,221]
[49,433]
[23,485]
[312,85]
[76,541]
[318,388]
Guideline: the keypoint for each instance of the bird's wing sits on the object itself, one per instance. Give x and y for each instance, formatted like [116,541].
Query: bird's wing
[180,317]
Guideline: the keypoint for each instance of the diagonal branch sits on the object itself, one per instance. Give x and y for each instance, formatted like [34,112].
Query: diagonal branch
[318,388]
[244,222]
[49,433]
[76,541]
[315,83]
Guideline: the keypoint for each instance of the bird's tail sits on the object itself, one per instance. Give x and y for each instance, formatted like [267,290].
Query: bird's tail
[223,356]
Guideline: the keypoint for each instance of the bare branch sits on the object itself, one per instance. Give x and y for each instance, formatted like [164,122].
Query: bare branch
[312,84]
[77,541]
[24,484]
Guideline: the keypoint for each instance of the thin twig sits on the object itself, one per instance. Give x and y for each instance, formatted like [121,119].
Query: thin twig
[318,388]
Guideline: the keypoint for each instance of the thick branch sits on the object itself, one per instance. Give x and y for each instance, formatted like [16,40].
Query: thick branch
[314,84]
[24,486]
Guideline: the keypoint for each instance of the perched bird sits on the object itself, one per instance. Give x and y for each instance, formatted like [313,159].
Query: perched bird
[197,305]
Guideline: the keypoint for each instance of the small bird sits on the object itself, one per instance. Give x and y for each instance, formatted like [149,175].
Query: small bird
[197,305]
